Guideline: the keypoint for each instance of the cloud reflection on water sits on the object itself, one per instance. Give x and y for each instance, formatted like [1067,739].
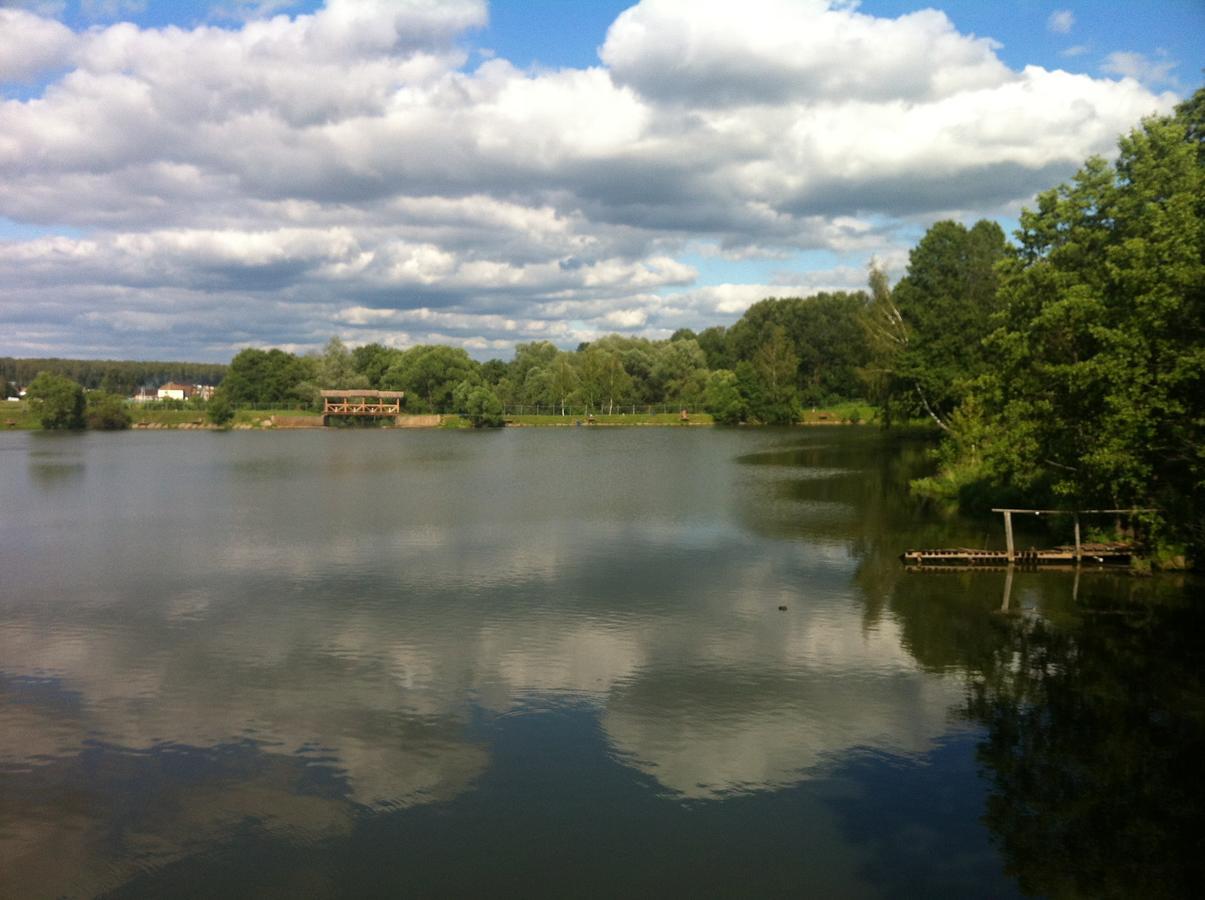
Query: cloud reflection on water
[367,641]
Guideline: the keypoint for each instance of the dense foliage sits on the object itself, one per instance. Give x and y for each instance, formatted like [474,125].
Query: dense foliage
[58,402]
[780,355]
[927,334]
[1095,391]
[107,412]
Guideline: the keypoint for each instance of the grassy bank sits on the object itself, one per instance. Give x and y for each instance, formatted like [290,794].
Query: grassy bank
[16,416]
[853,412]
[618,419]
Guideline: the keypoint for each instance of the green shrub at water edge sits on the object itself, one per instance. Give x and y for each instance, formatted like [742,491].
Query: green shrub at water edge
[58,402]
[107,412]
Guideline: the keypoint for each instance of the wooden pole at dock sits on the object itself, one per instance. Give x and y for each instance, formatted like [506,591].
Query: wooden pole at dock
[1078,552]
[1008,534]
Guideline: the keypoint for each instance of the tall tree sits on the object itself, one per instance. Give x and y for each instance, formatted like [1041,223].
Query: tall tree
[770,380]
[886,337]
[946,302]
[337,367]
[680,371]
[603,379]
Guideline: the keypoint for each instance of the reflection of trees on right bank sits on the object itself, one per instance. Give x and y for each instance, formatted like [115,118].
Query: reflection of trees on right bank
[1094,718]
[1090,692]
[1095,737]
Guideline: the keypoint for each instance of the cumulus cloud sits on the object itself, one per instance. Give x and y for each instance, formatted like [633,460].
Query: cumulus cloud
[770,51]
[31,45]
[298,167]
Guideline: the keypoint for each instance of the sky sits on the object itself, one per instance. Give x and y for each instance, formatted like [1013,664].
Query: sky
[180,180]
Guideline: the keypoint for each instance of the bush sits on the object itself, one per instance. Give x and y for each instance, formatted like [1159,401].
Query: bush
[107,412]
[219,409]
[58,402]
[483,408]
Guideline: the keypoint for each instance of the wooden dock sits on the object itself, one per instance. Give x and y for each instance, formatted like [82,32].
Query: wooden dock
[1118,553]
[1089,554]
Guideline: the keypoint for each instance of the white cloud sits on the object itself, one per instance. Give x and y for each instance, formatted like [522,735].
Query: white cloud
[31,45]
[1140,67]
[270,177]
[1061,21]
[774,50]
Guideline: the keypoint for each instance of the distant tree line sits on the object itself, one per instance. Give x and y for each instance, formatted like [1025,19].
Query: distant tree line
[122,377]
[782,354]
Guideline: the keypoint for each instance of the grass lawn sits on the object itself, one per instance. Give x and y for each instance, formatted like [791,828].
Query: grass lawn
[853,411]
[17,415]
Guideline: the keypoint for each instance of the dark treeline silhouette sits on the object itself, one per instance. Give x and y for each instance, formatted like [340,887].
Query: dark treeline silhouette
[123,377]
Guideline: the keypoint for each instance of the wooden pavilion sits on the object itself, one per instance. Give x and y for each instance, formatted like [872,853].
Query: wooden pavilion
[362,402]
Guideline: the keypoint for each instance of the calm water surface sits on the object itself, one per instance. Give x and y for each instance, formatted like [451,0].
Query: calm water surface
[554,663]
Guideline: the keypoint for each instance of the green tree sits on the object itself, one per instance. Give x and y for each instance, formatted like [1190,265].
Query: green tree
[1099,395]
[603,381]
[107,412]
[561,379]
[769,382]
[337,368]
[220,411]
[57,401]
[886,337]
[714,343]
[373,361]
[271,376]
[430,373]
[1095,397]
[478,401]
[680,371]
[946,302]
[723,397]
[824,333]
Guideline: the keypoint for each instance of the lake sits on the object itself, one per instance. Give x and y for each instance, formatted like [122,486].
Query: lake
[567,663]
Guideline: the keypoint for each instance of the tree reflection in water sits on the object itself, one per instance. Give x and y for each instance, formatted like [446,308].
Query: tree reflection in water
[1095,739]
[1089,687]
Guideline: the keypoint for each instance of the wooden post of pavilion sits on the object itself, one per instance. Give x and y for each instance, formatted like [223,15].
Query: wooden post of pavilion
[1008,534]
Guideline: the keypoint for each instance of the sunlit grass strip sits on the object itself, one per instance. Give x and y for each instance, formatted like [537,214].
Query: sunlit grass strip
[624,419]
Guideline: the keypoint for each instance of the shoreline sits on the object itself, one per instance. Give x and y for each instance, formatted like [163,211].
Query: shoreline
[245,426]
[22,419]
